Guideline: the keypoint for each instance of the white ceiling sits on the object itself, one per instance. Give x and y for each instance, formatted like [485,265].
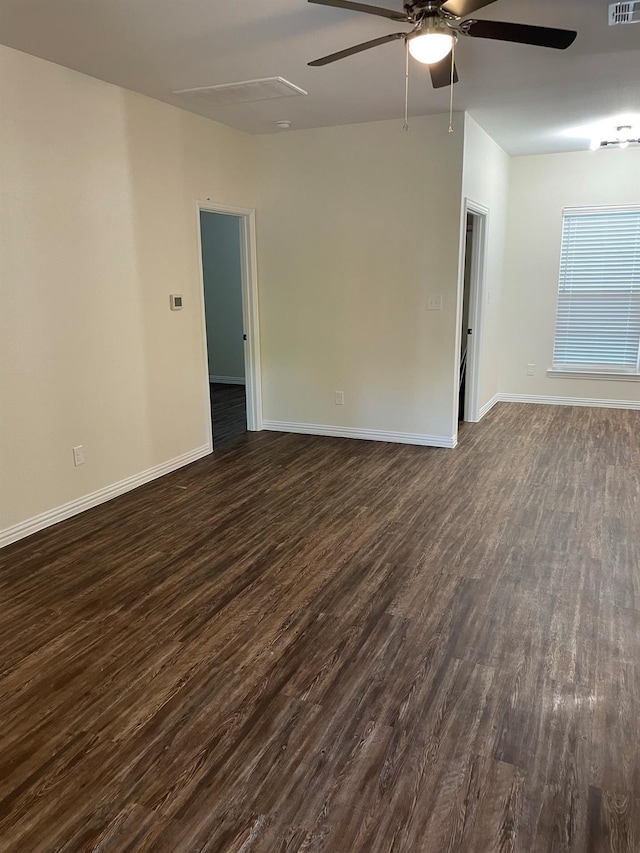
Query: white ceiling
[525,97]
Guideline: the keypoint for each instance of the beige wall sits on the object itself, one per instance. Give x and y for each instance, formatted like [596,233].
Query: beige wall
[486,181]
[357,225]
[540,188]
[97,227]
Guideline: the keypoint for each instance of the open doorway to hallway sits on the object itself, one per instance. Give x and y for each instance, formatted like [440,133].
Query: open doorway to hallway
[472,297]
[222,273]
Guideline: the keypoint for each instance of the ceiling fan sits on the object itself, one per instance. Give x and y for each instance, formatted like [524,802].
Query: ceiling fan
[436,27]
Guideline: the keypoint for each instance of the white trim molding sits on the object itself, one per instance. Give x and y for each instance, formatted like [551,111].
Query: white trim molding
[569,401]
[600,208]
[365,434]
[227,380]
[488,406]
[586,374]
[75,507]
[477,300]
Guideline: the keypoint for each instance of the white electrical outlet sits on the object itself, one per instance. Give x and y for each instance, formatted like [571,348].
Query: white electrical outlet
[338,397]
[78,455]
[434,303]
[530,369]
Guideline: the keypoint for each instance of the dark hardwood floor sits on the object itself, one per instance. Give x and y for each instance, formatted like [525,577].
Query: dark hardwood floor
[315,644]
[228,414]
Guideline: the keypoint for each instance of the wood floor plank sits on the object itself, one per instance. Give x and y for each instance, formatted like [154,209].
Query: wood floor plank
[228,414]
[331,646]
[614,823]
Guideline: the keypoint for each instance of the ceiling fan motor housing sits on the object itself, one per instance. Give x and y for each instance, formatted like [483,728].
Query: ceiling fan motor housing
[422,9]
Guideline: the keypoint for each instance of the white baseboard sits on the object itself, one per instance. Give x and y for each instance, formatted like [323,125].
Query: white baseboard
[568,401]
[227,380]
[488,406]
[60,513]
[366,434]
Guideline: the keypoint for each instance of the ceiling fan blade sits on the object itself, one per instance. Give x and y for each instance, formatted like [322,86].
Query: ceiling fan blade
[520,33]
[358,48]
[464,8]
[362,7]
[441,73]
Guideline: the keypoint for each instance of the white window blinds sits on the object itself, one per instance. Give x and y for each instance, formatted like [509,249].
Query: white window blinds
[598,322]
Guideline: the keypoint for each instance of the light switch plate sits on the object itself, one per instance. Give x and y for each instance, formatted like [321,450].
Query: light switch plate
[176,301]
[434,303]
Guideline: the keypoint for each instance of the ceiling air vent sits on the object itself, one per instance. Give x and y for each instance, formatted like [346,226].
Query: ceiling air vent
[624,13]
[245,92]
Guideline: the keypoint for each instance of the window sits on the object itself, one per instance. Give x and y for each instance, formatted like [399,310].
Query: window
[598,321]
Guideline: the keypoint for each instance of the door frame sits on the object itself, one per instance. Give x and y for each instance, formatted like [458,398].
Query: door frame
[250,312]
[477,297]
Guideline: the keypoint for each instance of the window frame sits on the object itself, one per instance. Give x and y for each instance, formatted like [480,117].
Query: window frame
[587,371]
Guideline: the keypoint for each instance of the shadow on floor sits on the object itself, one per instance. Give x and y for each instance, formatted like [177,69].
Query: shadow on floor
[228,413]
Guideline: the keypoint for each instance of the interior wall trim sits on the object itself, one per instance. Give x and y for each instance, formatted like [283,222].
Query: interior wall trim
[75,507]
[227,380]
[365,434]
[569,401]
[488,406]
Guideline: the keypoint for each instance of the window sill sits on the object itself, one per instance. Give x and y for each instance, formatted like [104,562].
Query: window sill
[590,374]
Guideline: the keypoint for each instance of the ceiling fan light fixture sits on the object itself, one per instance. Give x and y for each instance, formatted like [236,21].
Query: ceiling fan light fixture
[616,136]
[431,46]
[624,135]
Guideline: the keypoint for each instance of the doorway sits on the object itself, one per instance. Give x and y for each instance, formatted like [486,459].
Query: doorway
[229,305]
[472,297]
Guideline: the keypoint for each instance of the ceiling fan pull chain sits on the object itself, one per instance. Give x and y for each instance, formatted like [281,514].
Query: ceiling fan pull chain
[406,86]
[453,72]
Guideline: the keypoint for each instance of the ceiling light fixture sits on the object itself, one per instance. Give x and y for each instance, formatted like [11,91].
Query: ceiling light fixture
[616,132]
[432,42]
[626,135]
